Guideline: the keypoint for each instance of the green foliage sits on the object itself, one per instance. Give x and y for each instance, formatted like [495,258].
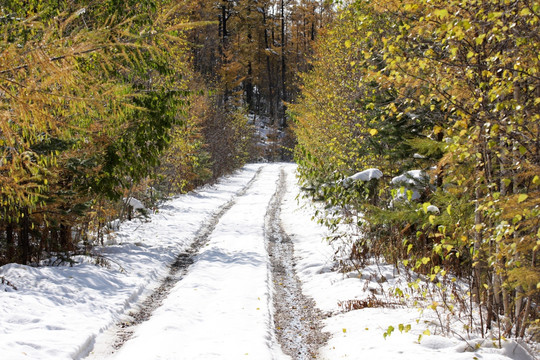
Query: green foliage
[450,88]
[89,93]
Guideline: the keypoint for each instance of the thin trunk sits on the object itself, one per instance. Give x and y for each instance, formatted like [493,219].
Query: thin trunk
[249,80]
[249,87]
[283,62]
[489,304]
[528,304]
[477,265]
[496,281]
[504,192]
[224,18]
[24,237]
[523,319]
[10,243]
[515,189]
[268,70]
[224,46]
[314,19]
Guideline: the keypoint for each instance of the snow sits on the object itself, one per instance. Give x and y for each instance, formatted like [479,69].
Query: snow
[365,175]
[412,178]
[433,209]
[222,307]
[136,204]
[269,134]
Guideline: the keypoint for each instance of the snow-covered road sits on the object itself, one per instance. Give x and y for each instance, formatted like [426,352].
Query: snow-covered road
[220,309]
[217,301]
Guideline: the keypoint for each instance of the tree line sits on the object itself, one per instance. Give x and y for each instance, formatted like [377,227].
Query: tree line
[418,126]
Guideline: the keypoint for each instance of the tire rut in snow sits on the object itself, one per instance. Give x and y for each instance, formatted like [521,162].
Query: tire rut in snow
[296,319]
[177,271]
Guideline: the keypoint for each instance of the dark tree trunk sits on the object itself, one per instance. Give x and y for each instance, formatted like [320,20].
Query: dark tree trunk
[249,87]
[10,243]
[24,237]
[65,238]
[268,70]
[283,63]
[224,18]
[248,84]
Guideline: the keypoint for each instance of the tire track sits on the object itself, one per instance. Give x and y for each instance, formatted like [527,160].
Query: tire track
[296,319]
[178,270]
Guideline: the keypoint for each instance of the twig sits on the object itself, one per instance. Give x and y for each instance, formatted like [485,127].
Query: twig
[8,283]
[56,58]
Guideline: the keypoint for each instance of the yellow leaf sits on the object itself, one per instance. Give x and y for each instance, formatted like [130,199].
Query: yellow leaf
[442,13]
[522,198]
[373,132]
[344,330]
[480,39]
[437,129]
[348,43]
[427,332]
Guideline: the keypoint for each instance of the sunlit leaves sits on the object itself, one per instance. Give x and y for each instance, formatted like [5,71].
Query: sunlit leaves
[468,82]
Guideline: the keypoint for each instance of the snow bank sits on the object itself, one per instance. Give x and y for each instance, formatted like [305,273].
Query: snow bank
[57,312]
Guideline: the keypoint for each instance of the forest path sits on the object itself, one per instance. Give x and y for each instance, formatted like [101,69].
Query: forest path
[233,294]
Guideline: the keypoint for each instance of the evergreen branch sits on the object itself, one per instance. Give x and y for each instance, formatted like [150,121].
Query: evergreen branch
[56,58]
